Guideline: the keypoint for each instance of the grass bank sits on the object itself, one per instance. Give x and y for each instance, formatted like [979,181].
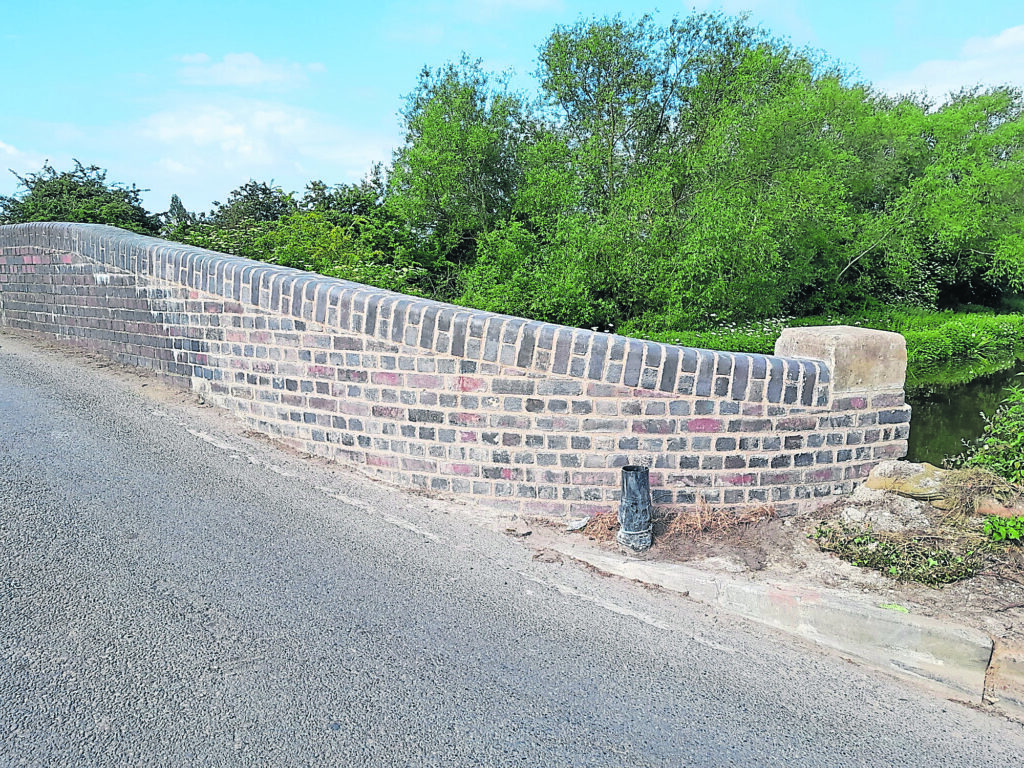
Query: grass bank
[935,340]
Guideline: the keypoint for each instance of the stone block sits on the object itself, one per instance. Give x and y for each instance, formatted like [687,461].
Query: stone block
[861,359]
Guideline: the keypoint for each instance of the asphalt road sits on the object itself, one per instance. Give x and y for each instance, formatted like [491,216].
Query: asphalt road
[176,593]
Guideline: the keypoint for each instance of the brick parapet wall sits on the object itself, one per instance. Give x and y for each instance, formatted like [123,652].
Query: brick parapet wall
[517,414]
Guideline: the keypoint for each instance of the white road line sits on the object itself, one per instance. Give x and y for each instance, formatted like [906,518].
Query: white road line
[606,604]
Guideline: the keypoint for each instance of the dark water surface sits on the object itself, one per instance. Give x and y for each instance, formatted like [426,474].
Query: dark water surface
[946,415]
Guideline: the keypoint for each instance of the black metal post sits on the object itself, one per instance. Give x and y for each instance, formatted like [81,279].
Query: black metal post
[635,508]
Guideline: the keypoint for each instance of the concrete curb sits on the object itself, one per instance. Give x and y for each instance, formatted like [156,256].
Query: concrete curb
[953,658]
[1005,684]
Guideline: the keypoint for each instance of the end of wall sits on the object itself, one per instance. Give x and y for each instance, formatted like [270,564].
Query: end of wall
[861,359]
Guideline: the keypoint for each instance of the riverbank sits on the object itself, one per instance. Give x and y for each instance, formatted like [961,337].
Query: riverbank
[937,342]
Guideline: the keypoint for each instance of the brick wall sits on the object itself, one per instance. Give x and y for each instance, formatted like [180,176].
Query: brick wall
[516,414]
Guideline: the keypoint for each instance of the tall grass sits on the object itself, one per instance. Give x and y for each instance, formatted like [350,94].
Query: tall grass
[934,339]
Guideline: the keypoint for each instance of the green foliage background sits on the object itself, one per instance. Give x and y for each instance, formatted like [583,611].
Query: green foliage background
[698,182]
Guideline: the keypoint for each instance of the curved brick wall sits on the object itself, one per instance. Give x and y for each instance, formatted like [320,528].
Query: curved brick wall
[514,413]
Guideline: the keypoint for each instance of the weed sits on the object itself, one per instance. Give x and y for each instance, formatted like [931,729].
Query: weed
[931,560]
[701,524]
[1008,529]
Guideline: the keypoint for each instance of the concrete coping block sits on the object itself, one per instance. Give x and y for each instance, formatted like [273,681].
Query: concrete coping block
[861,359]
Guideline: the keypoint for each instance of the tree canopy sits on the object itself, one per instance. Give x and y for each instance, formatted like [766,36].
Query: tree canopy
[82,195]
[663,177]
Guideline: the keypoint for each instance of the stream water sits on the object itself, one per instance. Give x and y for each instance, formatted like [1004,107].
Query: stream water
[944,415]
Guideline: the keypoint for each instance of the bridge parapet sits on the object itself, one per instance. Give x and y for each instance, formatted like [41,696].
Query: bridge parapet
[517,414]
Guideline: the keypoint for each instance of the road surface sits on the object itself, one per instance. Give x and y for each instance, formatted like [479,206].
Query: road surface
[174,592]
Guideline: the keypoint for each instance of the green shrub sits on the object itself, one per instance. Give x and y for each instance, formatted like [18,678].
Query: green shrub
[933,338]
[1000,449]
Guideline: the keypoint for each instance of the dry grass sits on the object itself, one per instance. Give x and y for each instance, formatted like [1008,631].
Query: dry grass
[707,523]
[602,527]
[704,523]
[967,489]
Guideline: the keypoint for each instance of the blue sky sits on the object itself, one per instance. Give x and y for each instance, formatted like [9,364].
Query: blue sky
[198,97]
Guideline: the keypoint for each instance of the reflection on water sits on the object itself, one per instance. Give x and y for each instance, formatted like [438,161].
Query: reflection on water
[946,415]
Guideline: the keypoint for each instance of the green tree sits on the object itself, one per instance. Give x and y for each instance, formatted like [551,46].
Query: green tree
[364,250]
[341,202]
[253,202]
[79,195]
[456,176]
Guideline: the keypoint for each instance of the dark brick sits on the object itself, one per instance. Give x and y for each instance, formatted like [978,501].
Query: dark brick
[459,335]
[634,360]
[898,416]
[758,366]
[809,382]
[775,380]
[618,349]
[433,417]
[512,386]
[654,426]
[740,373]
[689,363]
[493,340]
[705,373]
[563,343]
[427,327]
[398,320]
[370,324]
[526,345]
[597,356]
[546,336]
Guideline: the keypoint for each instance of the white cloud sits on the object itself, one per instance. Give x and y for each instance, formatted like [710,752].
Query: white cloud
[202,149]
[174,167]
[244,135]
[989,61]
[20,161]
[243,70]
